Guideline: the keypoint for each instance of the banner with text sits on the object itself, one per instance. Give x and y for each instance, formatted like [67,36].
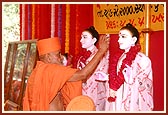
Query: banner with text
[109,18]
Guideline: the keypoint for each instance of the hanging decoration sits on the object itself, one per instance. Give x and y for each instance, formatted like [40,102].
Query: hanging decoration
[59,21]
[33,21]
[23,22]
[72,45]
[26,23]
[30,22]
[67,28]
[62,20]
[63,28]
[56,20]
[77,37]
[38,21]
[52,20]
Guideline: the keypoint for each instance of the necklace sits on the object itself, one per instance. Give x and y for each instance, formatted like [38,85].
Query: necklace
[117,79]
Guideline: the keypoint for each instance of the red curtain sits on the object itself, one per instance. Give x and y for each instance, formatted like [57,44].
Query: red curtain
[45,21]
[156,54]
[81,17]
[35,21]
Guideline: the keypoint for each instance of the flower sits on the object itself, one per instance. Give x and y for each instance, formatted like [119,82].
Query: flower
[111,99]
[82,57]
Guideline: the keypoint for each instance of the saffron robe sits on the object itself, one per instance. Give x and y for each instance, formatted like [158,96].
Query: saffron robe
[45,81]
[136,94]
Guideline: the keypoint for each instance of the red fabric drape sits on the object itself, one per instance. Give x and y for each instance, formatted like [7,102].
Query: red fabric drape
[45,21]
[26,23]
[63,27]
[72,29]
[156,54]
[85,20]
[30,22]
[81,17]
[37,21]
[56,20]
[20,22]
[78,35]
[42,21]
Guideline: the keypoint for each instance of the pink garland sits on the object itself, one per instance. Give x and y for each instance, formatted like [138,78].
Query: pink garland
[116,80]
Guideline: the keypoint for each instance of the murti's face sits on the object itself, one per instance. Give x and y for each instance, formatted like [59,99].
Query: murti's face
[87,40]
[125,39]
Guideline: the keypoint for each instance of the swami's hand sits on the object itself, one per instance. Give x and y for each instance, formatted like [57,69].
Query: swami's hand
[104,41]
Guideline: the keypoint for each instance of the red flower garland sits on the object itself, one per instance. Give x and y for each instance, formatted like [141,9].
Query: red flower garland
[82,57]
[116,80]
[111,99]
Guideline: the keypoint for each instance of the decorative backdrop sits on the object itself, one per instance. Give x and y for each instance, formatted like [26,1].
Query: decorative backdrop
[67,21]
[39,21]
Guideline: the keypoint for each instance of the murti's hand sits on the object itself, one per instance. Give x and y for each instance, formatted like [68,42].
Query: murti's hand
[112,94]
[127,72]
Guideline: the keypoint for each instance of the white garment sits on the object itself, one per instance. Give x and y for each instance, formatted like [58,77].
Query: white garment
[96,86]
[136,94]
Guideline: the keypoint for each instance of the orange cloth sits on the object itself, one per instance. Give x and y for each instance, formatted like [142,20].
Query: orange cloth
[48,45]
[81,103]
[44,83]
[69,87]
